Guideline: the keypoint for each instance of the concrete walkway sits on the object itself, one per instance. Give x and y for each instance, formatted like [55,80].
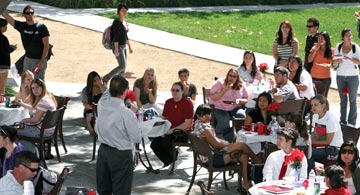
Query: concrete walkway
[79,143]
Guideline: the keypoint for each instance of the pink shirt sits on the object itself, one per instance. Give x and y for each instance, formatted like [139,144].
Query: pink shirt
[44,105]
[230,95]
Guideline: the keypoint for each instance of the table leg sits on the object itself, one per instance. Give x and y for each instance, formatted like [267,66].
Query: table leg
[147,165]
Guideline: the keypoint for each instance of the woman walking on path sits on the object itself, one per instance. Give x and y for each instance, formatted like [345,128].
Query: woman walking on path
[347,58]
[119,30]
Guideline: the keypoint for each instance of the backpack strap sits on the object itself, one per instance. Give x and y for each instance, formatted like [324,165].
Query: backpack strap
[353,47]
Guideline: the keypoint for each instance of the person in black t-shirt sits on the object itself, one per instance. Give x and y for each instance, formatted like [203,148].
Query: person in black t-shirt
[260,113]
[35,40]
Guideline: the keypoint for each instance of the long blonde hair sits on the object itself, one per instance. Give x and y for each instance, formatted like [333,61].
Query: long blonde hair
[153,83]
[34,99]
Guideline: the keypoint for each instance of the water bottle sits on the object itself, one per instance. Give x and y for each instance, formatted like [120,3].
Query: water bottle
[140,115]
[274,126]
[268,175]
[80,193]
[312,176]
[7,101]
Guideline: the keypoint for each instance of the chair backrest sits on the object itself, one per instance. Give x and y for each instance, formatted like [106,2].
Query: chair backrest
[60,181]
[321,87]
[269,148]
[51,118]
[350,133]
[203,189]
[294,106]
[206,95]
[237,123]
[200,147]
[61,101]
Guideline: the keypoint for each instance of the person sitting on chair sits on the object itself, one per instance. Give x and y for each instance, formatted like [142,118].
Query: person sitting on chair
[203,128]
[189,88]
[25,88]
[180,112]
[26,167]
[260,113]
[286,140]
[285,89]
[9,148]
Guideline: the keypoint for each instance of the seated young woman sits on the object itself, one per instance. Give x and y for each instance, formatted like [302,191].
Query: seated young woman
[9,148]
[348,159]
[203,128]
[260,113]
[334,179]
[228,95]
[41,102]
[248,70]
[24,94]
[327,130]
[91,94]
[295,121]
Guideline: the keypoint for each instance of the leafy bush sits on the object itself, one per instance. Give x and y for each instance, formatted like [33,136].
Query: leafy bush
[175,3]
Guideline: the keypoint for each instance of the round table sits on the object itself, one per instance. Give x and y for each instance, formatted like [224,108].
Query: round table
[288,189]
[9,116]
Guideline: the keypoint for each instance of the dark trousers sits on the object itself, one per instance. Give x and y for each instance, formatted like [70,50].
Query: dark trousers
[162,147]
[114,171]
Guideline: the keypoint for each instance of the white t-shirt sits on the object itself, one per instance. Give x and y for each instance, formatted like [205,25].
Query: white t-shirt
[305,78]
[275,161]
[347,67]
[332,125]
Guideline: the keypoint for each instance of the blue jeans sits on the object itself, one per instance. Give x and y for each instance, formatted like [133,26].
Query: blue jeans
[353,83]
[122,60]
[222,122]
[317,154]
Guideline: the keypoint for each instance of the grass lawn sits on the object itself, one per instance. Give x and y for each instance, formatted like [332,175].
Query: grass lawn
[254,30]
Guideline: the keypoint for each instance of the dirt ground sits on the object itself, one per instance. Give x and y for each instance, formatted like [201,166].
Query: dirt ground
[77,51]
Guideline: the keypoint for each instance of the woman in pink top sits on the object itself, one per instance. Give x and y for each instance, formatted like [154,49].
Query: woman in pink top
[228,96]
[321,54]
[41,102]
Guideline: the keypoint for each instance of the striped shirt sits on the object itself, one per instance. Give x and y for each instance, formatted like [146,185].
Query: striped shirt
[285,51]
[45,104]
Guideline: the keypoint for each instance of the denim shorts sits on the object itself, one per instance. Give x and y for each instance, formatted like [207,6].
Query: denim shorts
[219,158]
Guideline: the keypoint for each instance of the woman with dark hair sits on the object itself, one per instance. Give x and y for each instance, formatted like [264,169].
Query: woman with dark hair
[335,181]
[203,128]
[41,102]
[190,90]
[248,70]
[321,55]
[91,94]
[347,58]
[9,148]
[296,122]
[300,77]
[348,159]
[260,113]
[228,95]
[285,44]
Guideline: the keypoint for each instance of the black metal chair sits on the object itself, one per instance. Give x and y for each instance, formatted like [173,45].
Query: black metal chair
[60,181]
[62,102]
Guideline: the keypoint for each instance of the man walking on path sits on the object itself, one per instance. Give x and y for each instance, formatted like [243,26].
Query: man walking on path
[118,131]
[35,40]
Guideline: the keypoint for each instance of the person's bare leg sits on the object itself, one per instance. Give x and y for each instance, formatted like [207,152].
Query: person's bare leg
[3,79]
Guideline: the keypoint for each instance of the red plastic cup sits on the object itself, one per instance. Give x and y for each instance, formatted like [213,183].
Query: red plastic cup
[260,128]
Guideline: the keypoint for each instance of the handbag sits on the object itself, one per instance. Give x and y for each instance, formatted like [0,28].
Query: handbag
[19,64]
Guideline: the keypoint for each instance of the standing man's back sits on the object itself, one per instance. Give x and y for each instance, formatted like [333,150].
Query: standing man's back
[117,130]
[312,38]
[35,40]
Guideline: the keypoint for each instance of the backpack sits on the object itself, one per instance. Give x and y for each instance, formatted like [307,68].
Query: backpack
[353,47]
[106,38]
[44,181]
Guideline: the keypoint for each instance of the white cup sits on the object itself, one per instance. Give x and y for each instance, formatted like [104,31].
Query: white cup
[28,188]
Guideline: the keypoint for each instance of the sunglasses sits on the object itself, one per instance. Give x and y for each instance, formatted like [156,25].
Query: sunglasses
[308,26]
[2,131]
[348,151]
[29,13]
[31,169]
[175,90]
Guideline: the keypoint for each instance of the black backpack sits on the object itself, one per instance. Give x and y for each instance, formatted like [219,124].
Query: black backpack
[353,47]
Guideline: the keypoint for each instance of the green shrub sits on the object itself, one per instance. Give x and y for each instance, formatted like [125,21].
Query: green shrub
[175,3]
